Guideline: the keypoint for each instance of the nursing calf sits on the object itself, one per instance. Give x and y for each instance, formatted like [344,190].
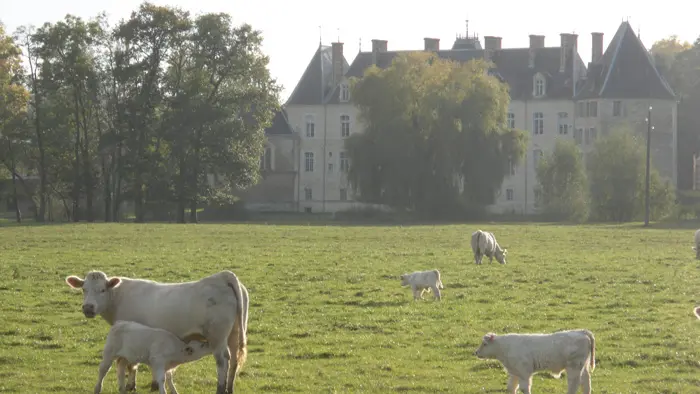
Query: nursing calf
[524,354]
[421,281]
[132,343]
[214,307]
[484,244]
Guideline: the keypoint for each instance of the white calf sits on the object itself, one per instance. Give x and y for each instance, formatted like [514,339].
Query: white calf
[214,307]
[484,244]
[696,248]
[422,280]
[132,343]
[524,354]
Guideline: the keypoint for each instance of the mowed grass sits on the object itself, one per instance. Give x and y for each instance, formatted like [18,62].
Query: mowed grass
[327,313]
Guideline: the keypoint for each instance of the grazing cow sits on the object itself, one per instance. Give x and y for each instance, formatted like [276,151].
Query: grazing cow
[421,281]
[214,307]
[696,248]
[484,244]
[132,343]
[524,354]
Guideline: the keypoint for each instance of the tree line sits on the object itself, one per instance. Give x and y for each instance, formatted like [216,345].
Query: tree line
[437,143]
[164,110]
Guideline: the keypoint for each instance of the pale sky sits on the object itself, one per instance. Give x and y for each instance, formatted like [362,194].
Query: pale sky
[291,28]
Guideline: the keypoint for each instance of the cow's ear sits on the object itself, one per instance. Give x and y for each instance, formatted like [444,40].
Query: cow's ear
[114,282]
[491,337]
[75,282]
[505,252]
[694,248]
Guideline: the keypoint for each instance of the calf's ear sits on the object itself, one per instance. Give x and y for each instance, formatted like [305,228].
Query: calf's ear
[75,282]
[114,282]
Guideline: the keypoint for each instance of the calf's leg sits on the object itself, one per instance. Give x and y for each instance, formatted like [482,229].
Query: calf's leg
[169,381]
[131,382]
[122,365]
[104,367]
[512,384]
[436,292]
[586,381]
[526,384]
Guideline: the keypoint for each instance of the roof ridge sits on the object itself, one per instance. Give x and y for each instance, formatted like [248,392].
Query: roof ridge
[613,60]
[306,70]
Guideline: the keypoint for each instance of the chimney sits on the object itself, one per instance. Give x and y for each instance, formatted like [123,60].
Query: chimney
[536,42]
[597,45]
[377,47]
[491,44]
[337,59]
[567,50]
[432,44]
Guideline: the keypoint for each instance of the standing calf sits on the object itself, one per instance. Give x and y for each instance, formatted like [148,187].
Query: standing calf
[696,248]
[422,280]
[132,343]
[484,244]
[524,354]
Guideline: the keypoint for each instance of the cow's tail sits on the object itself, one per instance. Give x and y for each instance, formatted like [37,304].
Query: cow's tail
[592,338]
[239,325]
[478,238]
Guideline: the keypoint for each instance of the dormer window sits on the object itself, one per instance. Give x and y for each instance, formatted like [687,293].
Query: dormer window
[344,93]
[540,86]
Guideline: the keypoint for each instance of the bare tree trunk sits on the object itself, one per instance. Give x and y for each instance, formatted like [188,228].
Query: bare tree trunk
[76,182]
[13,169]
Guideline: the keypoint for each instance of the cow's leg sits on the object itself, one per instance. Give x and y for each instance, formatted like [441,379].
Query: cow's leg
[573,376]
[104,367]
[415,292]
[512,384]
[586,381]
[526,384]
[154,381]
[169,381]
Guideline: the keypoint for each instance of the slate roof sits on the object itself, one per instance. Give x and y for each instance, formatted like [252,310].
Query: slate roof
[315,83]
[280,124]
[511,66]
[625,71]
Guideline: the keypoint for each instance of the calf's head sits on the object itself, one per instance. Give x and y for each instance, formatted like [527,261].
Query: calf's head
[97,291]
[404,280]
[501,255]
[488,347]
[196,349]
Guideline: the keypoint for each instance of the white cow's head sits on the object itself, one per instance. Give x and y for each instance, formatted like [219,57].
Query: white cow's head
[97,291]
[501,255]
[488,348]
[404,279]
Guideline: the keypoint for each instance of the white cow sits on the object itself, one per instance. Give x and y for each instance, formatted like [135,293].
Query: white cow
[214,307]
[524,354]
[132,343]
[696,248]
[696,311]
[484,244]
[421,281]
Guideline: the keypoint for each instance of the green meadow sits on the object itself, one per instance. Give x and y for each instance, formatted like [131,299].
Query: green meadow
[327,313]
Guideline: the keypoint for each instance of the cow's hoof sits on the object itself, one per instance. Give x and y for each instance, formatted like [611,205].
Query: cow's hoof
[154,386]
[131,387]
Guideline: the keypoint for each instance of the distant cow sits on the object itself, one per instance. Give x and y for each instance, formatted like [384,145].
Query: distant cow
[696,311]
[484,244]
[214,307]
[131,343]
[524,354]
[421,281]
[696,248]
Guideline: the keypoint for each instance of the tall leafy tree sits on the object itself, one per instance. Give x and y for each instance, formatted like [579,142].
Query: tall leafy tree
[617,168]
[13,107]
[435,136]
[562,177]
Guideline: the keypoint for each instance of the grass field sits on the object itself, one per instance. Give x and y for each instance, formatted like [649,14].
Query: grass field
[327,313]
